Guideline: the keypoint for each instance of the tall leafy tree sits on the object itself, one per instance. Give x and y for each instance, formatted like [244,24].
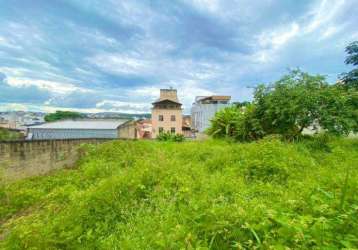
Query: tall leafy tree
[350,79]
[300,100]
[295,102]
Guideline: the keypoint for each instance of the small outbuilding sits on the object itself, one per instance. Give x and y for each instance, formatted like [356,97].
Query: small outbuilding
[75,129]
[140,129]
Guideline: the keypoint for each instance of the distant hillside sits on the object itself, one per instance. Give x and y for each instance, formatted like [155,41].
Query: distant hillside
[114,115]
[191,195]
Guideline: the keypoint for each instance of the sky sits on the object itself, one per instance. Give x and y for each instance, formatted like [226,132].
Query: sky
[114,55]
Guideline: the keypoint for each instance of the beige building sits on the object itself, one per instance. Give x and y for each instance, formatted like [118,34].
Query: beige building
[167,113]
[141,129]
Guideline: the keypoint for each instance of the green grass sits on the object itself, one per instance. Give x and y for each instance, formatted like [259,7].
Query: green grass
[6,135]
[191,195]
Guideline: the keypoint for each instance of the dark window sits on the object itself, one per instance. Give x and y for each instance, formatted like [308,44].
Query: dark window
[172,118]
[172,130]
[161,130]
[161,118]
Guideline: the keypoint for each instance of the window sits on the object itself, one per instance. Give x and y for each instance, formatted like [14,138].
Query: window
[172,118]
[161,118]
[161,130]
[172,130]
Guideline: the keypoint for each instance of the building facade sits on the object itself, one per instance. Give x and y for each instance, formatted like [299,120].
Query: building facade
[167,113]
[204,109]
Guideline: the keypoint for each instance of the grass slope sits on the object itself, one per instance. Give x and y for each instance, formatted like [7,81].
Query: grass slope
[192,195]
[8,135]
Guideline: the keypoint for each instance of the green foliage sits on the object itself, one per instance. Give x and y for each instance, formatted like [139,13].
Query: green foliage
[350,79]
[225,122]
[8,135]
[62,115]
[296,102]
[167,136]
[236,123]
[214,194]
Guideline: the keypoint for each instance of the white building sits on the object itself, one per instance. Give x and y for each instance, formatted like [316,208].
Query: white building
[75,129]
[204,109]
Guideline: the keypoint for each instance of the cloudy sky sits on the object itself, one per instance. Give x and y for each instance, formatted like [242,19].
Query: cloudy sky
[115,55]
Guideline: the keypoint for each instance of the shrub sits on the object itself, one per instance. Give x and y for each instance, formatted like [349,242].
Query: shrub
[238,123]
[167,136]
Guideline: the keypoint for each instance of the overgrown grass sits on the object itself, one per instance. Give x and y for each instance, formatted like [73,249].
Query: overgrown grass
[192,195]
[8,135]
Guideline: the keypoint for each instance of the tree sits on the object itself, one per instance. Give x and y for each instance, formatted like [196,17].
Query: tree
[295,102]
[298,101]
[62,115]
[350,79]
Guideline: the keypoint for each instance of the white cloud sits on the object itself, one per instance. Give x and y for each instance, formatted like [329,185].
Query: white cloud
[120,106]
[52,86]
[278,38]
[117,63]
[324,13]
[207,5]
[7,43]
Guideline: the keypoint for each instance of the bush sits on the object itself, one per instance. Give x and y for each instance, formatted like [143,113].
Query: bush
[8,135]
[167,136]
[236,123]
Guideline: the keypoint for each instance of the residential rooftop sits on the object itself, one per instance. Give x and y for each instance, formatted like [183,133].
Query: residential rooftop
[213,98]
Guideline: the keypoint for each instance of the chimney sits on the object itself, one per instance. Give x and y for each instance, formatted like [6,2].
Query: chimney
[170,94]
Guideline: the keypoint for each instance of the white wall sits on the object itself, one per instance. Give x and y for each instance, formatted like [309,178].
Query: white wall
[201,114]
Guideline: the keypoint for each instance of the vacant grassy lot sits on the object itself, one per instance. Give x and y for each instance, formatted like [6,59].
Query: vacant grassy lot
[192,195]
[8,135]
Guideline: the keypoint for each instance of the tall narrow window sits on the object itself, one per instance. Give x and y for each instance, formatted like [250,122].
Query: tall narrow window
[172,130]
[161,118]
[172,118]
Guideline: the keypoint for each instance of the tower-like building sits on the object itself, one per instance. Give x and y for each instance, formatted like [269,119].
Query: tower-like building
[167,113]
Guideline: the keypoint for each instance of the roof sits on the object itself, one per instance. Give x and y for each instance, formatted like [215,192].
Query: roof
[214,98]
[81,124]
[166,100]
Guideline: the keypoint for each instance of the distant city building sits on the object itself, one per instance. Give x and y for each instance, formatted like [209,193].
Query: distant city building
[75,129]
[204,109]
[19,120]
[167,113]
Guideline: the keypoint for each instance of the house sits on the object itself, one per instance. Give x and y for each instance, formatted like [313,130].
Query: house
[167,113]
[75,129]
[204,109]
[141,129]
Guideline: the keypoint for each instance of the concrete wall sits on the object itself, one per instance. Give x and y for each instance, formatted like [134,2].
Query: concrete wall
[20,159]
[128,130]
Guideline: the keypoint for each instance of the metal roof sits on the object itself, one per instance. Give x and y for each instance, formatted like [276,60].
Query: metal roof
[81,124]
[213,98]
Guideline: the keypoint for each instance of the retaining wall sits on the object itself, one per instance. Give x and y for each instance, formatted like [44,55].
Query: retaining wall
[20,159]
